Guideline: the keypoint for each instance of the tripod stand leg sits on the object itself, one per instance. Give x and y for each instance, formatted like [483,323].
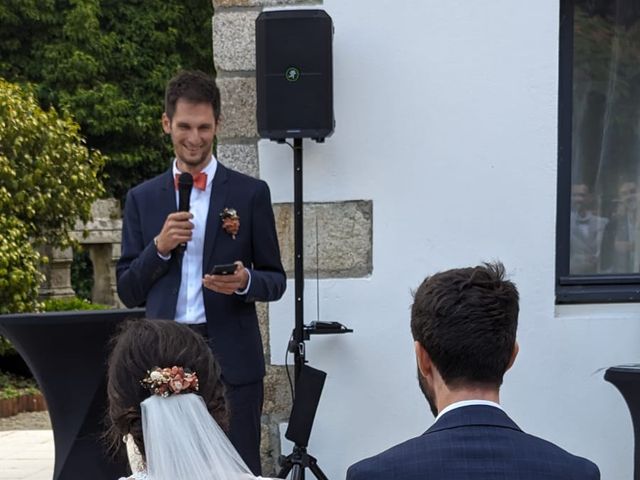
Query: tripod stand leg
[317,472]
[297,472]
[284,471]
[286,464]
[289,465]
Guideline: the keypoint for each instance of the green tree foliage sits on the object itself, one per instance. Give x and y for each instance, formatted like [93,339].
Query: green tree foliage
[19,275]
[48,180]
[106,62]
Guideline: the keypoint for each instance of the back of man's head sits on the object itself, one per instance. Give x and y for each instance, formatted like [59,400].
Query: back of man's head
[466,320]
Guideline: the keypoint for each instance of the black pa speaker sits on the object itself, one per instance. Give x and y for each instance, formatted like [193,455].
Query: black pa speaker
[294,74]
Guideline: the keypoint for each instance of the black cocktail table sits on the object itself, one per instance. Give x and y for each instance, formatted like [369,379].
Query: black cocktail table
[67,354]
[626,378]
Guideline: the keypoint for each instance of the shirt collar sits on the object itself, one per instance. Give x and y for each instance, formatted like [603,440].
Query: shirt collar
[466,403]
[210,169]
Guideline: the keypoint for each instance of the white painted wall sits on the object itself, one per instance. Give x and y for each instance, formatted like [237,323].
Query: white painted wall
[447,120]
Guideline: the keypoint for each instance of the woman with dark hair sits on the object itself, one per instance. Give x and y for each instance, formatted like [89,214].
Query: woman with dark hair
[166,400]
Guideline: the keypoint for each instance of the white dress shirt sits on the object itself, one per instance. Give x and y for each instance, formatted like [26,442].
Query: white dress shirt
[190,306]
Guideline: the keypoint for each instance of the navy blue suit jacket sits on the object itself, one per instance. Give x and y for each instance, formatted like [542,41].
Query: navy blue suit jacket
[145,279]
[472,443]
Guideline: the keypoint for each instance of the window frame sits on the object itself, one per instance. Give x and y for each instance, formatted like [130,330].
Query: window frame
[577,288]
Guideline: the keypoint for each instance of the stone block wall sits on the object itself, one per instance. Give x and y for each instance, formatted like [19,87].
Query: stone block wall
[337,238]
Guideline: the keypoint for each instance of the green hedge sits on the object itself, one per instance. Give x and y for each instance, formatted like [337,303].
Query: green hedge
[48,180]
[71,304]
[12,386]
[106,62]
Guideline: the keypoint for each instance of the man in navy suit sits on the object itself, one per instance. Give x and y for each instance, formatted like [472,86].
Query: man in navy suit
[464,324]
[168,255]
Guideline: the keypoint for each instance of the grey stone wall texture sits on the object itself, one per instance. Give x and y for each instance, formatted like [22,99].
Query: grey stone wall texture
[234,39]
[238,110]
[240,157]
[337,238]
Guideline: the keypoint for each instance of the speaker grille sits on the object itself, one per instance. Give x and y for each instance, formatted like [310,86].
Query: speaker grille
[294,74]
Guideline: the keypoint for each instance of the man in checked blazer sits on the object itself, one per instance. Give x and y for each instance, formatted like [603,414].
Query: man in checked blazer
[464,324]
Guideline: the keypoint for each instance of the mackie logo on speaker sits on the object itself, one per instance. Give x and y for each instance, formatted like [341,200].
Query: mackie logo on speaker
[292,74]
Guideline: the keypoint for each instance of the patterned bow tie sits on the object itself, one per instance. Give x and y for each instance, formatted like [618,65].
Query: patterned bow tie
[199,180]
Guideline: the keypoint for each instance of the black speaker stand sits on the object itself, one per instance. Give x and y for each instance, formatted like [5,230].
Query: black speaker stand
[296,462]
[305,403]
[299,459]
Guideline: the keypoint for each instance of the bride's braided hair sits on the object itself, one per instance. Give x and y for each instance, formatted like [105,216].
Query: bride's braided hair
[142,345]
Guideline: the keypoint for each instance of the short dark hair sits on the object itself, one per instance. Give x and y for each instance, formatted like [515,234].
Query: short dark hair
[195,87]
[142,345]
[466,319]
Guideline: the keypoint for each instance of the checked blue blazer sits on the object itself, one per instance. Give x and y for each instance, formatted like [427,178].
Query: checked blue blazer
[472,443]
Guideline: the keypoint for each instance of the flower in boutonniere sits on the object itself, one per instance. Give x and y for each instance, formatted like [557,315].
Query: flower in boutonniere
[230,221]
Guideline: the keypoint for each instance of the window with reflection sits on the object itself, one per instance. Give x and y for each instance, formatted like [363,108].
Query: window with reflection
[598,254]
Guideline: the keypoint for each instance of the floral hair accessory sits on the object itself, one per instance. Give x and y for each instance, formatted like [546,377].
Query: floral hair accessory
[170,381]
[230,221]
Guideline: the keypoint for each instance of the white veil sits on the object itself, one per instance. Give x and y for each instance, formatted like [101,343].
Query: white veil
[183,441]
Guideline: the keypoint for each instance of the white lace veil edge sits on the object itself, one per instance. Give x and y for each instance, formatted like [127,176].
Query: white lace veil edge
[183,441]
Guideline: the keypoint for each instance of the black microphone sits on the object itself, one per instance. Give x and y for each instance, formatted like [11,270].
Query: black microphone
[185,184]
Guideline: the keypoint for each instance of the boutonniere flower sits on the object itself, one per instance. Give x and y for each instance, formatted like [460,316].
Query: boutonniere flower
[230,221]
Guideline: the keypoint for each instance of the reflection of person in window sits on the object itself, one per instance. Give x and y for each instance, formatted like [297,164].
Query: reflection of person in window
[624,228]
[587,230]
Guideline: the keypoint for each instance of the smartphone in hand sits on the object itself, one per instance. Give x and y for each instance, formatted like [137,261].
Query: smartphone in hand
[226,269]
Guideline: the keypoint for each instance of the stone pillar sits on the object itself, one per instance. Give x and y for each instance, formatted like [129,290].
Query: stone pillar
[57,272]
[103,290]
[101,237]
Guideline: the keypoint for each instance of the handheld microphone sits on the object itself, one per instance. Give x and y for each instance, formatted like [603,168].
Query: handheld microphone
[185,184]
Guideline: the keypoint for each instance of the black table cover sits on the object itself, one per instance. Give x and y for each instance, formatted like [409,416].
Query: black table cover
[67,354]
[626,378]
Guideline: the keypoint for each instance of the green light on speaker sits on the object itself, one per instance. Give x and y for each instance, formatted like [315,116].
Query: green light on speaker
[292,74]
